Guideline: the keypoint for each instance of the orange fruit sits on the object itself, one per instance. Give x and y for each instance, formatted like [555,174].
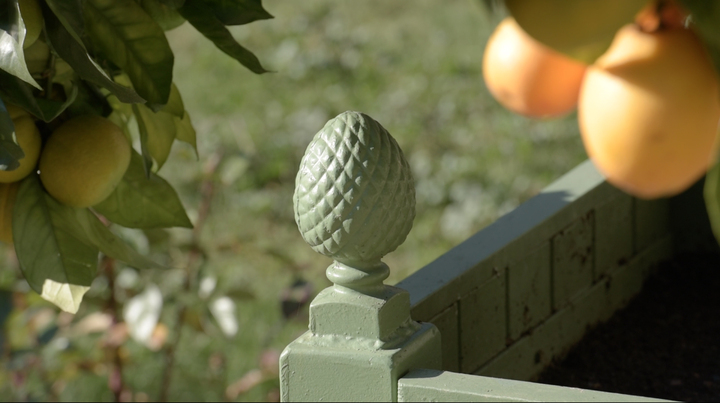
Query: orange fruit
[84,160]
[649,110]
[528,77]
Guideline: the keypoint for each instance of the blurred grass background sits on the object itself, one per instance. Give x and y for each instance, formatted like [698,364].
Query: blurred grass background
[413,66]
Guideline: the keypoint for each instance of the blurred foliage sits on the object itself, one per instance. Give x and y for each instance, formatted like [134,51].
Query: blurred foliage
[414,67]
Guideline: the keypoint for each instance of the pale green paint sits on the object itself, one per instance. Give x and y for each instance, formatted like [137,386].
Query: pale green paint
[447,323]
[436,386]
[651,220]
[483,322]
[613,234]
[355,201]
[529,301]
[572,266]
[454,274]
[527,357]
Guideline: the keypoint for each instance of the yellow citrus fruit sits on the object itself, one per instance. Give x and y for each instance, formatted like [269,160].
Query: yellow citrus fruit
[527,77]
[649,111]
[83,161]
[28,138]
[32,17]
[16,111]
[8,194]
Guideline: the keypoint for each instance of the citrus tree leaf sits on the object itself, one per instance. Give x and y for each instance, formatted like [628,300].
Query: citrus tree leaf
[18,92]
[10,151]
[69,12]
[706,18]
[141,202]
[165,15]
[175,104]
[159,133]
[208,24]
[12,36]
[146,156]
[185,132]
[238,12]
[89,101]
[75,54]
[127,36]
[580,29]
[57,260]
[173,3]
[712,198]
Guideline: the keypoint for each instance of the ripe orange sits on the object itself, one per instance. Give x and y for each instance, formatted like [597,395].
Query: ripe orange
[649,111]
[527,77]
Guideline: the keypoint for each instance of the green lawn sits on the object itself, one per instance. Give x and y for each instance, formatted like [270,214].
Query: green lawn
[413,66]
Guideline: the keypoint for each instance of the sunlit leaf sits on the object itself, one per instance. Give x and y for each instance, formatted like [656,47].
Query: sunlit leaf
[17,92]
[238,12]
[56,258]
[580,29]
[75,54]
[145,151]
[127,36]
[175,104]
[141,313]
[10,151]
[141,202]
[223,310]
[706,19]
[185,131]
[212,28]
[58,246]
[12,36]
[159,133]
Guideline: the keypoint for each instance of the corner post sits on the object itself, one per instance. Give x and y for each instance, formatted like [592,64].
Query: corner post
[355,202]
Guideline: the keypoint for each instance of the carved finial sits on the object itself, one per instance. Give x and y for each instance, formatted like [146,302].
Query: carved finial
[354,198]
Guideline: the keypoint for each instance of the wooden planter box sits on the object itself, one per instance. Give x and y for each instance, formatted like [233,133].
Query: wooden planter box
[525,289]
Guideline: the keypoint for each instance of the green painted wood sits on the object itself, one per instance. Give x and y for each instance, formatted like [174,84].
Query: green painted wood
[483,322]
[613,234]
[652,222]
[355,202]
[447,323]
[527,357]
[529,291]
[572,259]
[454,274]
[436,386]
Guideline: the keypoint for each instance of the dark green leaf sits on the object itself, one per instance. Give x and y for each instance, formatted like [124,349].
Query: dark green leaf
[139,202]
[69,12]
[706,18]
[712,198]
[238,12]
[146,156]
[166,16]
[10,151]
[18,92]
[57,259]
[12,36]
[127,36]
[159,133]
[89,101]
[6,305]
[581,29]
[212,28]
[173,3]
[75,54]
